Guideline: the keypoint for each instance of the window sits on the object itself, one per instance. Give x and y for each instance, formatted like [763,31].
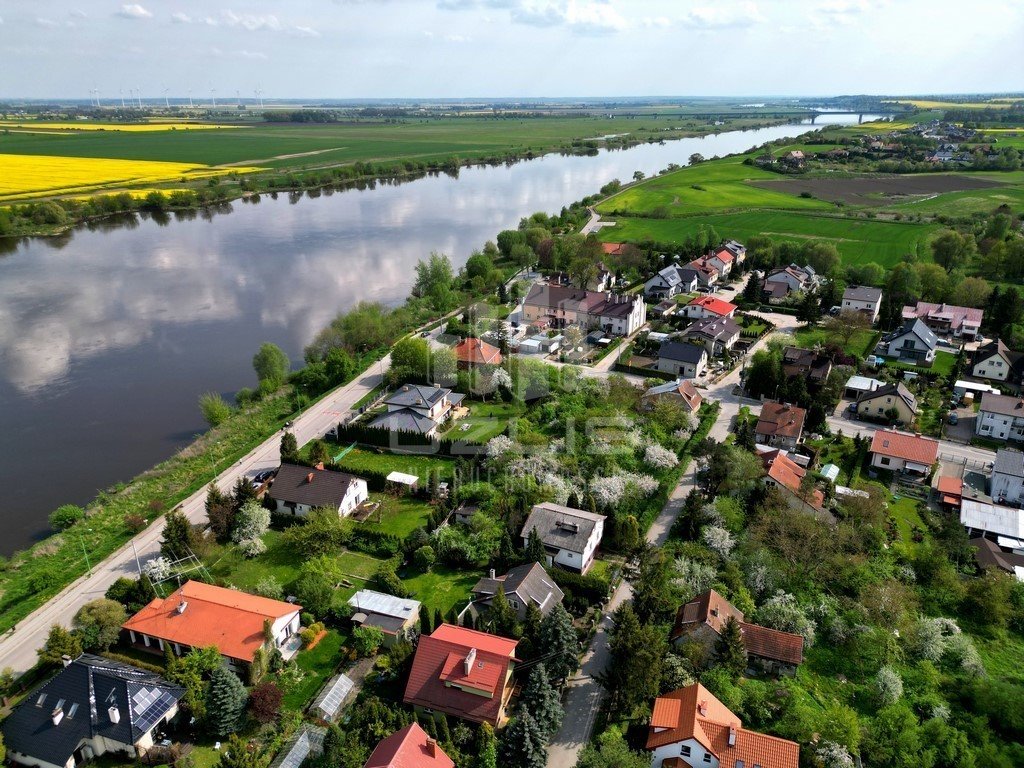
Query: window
[685,750]
[707,757]
[885,460]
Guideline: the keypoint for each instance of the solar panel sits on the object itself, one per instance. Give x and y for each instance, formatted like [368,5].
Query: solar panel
[149,705]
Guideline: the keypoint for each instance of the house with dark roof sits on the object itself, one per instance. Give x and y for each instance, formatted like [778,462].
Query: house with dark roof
[524,585]
[946,319]
[418,408]
[472,352]
[396,617]
[997,362]
[780,425]
[570,536]
[806,364]
[903,452]
[682,359]
[410,747]
[463,673]
[787,476]
[198,615]
[691,728]
[716,334]
[1000,417]
[704,618]
[863,299]
[556,306]
[737,249]
[671,281]
[781,282]
[680,391]
[914,343]
[298,490]
[890,402]
[989,553]
[92,707]
[1008,476]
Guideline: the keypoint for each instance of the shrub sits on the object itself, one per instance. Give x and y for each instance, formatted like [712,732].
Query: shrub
[307,636]
[271,588]
[367,640]
[65,516]
[134,522]
[888,686]
[215,409]
[424,557]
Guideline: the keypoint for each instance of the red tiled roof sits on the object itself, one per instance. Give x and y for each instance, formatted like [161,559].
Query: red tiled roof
[438,673]
[707,720]
[901,445]
[707,608]
[788,474]
[409,748]
[780,420]
[226,618]
[477,352]
[714,304]
[953,485]
[612,249]
[724,255]
[772,643]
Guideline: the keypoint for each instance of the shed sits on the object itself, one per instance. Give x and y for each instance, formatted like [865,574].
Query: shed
[962,387]
[859,385]
[830,472]
[307,741]
[329,703]
[402,478]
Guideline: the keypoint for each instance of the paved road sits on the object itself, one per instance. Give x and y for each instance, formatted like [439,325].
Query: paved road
[18,648]
[594,223]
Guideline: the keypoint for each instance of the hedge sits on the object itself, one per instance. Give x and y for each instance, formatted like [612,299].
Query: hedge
[650,373]
[384,438]
[376,543]
[590,588]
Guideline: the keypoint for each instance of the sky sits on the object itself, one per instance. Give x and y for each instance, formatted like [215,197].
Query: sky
[507,48]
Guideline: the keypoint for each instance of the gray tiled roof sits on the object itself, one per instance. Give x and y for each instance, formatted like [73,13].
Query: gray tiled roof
[891,390]
[416,395]
[1002,404]
[862,293]
[682,352]
[404,420]
[562,527]
[530,582]
[1009,462]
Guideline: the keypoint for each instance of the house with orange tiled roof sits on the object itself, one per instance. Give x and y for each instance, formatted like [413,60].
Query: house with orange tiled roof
[951,491]
[703,619]
[691,728]
[780,425]
[785,474]
[463,673]
[198,615]
[903,452]
[470,353]
[410,747]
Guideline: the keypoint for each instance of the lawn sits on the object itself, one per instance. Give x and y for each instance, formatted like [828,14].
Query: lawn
[858,240]
[943,365]
[485,420]
[904,510]
[442,588]
[861,343]
[422,466]
[400,516]
[317,665]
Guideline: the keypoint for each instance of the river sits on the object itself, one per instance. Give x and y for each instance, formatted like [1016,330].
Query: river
[109,334]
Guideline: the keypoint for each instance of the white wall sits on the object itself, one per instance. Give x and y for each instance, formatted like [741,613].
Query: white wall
[992,367]
[695,758]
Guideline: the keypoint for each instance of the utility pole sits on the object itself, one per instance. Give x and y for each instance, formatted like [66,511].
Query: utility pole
[138,565]
[88,565]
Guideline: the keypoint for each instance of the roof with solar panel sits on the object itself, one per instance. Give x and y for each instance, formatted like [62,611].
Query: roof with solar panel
[91,697]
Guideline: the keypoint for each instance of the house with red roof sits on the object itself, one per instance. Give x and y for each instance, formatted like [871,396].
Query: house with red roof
[198,615]
[785,474]
[704,618]
[691,728]
[951,491]
[463,673]
[709,306]
[780,425]
[903,452]
[470,353]
[410,747]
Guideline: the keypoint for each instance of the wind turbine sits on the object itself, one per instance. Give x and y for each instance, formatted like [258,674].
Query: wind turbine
[238,97]
[167,104]
[138,95]
[190,105]
[259,95]
[213,96]
[121,91]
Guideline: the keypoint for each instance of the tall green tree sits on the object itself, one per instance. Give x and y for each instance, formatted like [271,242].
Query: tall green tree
[952,250]
[289,448]
[653,598]
[542,701]
[225,702]
[501,617]
[731,651]
[98,623]
[558,643]
[241,753]
[271,365]
[59,643]
[179,537]
[522,744]
[535,552]
[637,654]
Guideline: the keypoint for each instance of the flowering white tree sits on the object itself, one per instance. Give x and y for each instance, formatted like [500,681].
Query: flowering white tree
[500,446]
[832,755]
[719,540]
[157,569]
[930,637]
[251,522]
[607,490]
[501,380]
[888,685]
[960,649]
[252,547]
[660,458]
[782,612]
[693,577]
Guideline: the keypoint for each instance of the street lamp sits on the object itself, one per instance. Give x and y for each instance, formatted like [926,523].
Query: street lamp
[88,565]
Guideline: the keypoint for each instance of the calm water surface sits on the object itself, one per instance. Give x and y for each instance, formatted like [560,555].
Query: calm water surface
[109,335]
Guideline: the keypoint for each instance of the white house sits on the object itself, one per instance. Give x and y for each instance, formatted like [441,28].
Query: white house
[92,707]
[862,298]
[673,279]
[1008,476]
[903,452]
[1000,417]
[682,359]
[298,490]
[914,343]
[997,362]
[570,536]
[702,307]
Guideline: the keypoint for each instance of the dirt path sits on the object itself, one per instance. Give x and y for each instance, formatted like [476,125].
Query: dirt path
[278,157]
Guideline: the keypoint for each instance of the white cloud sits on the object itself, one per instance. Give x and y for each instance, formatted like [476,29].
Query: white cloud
[595,17]
[724,17]
[457,38]
[79,14]
[181,18]
[44,22]
[250,23]
[842,11]
[134,11]
[239,54]
[305,31]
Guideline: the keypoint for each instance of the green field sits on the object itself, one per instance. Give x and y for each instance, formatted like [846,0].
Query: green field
[858,240]
[359,459]
[399,517]
[442,588]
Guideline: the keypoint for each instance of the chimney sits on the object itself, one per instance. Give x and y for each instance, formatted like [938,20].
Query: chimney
[431,747]
[490,573]
[309,478]
[114,714]
[65,660]
[732,735]
[470,658]
[702,708]
[319,465]
[57,715]
[182,606]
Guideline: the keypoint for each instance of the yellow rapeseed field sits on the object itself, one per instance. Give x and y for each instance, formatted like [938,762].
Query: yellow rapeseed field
[925,104]
[23,176]
[84,125]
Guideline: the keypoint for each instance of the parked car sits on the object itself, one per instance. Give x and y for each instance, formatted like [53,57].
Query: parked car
[425,334]
[833,311]
[705,289]
[262,477]
[952,418]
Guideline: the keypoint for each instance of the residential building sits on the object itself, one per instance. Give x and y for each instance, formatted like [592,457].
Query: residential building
[682,359]
[738,250]
[396,617]
[560,306]
[680,391]
[780,425]
[665,308]
[718,263]
[462,673]
[806,364]
[785,474]
[999,521]
[783,281]
[859,385]
[716,334]
[709,306]
[703,619]
[997,362]
[891,402]
[471,352]
[524,585]
[1008,477]
[92,707]
[950,491]
[903,452]
[990,554]
[1000,417]
[914,344]
[947,319]
[570,536]
[410,747]
[863,299]
[690,727]
[298,490]
[707,275]
[198,615]
[671,281]
[418,408]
